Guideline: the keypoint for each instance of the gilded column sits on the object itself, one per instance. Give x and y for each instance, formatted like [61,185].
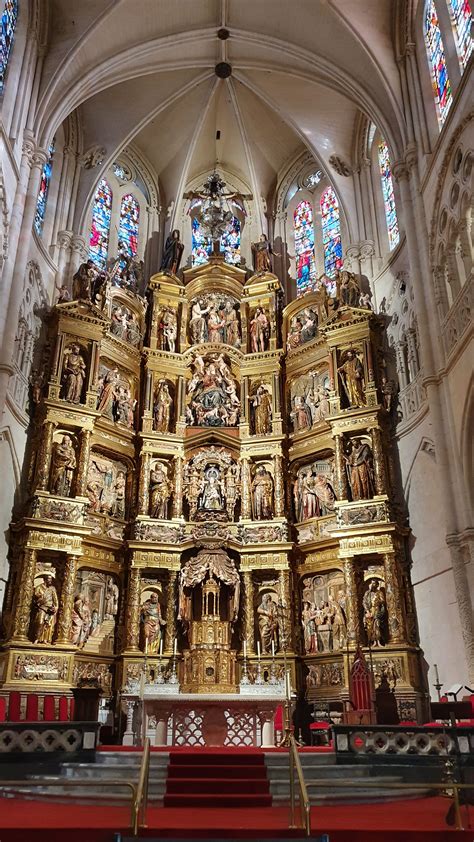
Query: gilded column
[83,463]
[379,462]
[144,484]
[249,627]
[286,624]
[279,487]
[340,465]
[24,595]
[171,611]
[246,501]
[352,607]
[132,611]
[178,487]
[44,460]
[394,597]
[66,602]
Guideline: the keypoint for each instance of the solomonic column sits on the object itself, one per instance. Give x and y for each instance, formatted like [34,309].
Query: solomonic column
[132,611]
[340,465]
[66,602]
[178,487]
[25,595]
[352,607]
[144,485]
[286,637]
[279,488]
[246,501]
[379,463]
[83,463]
[396,617]
[171,611]
[249,628]
[44,459]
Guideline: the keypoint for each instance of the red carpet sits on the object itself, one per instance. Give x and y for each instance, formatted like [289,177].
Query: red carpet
[217,779]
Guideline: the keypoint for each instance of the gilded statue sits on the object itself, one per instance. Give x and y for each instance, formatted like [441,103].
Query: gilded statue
[74,373]
[152,624]
[111,599]
[212,494]
[262,494]
[375,612]
[167,329]
[351,373]
[172,253]
[108,388]
[267,615]
[63,466]
[45,609]
[262,255]
[160,492]
[118,496]
[359,460]
[232,488]
[162,408]
[192,484]
[259,331]
[261,405]
[313,495]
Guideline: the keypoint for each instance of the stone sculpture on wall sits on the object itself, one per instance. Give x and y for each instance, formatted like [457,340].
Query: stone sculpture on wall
[63,466]
[351,374]
[45,609]
[214,318]
[106,485]
[162,408]
[259,331]
[262,494]
[213,393]
[323,614]
[160,491]
[347,289]
[74,374]
[360,469]
[313,491]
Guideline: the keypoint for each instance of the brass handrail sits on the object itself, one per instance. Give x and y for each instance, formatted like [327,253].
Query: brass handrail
[141,796]
[305,806]
[23,784]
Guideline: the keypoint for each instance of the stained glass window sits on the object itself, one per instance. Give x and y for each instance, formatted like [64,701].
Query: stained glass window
[128,224]
[461,17]
[331,224]
[43,191]
[304,247]
[9,18]
[100,227]
[202,244]
[388,195]
[437,61]
[230,243]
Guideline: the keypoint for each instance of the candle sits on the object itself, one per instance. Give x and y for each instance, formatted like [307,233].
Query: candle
[146,646]
[175,650]
[245,648]
[288,686]
[258,649]
[273,648]
[437,673]
[161,647]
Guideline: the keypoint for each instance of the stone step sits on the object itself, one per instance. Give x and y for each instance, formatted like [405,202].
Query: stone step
[93,770]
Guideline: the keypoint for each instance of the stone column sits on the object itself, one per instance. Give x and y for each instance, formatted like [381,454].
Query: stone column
[24,595]
[144,484]
[441,296]
[64,244]
[402,372]
[340,466]
[66,602]
[44,459]
[171,610]
[379,461]
[395,609]
[413,362]
[248,618]
[245,493]
[78,253]
[178,487]
[352,606]
[279,487]
[83,462]
[132,611]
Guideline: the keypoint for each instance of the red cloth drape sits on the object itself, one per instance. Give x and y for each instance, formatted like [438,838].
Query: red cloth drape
[32,707]
[49,709]
[14,706]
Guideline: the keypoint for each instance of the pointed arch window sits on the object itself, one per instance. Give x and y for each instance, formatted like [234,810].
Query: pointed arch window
[230,243]
[461,18]
[43,191]
[304,247]
[331,224]
[129,224]
[100,227]
[437,62]
[9,19]
[202,245]
[388,194]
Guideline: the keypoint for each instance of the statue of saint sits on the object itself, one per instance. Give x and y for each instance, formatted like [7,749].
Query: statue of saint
[309,628]
[197,322]
[151,625]
[74,373]
[309,325]
[231,325]
[375,611]
[352,376]
[133,334]
[262,411]
[300,414]
[359,461]
[215,325]
[211,497]
[262,255]
[125,407]
[77,622]
[387,390]
[293,339]
[193,487]
[338,624]
[111,600]
[267,613]
[108,394]
[232,489]
[347,289]
[82,281]
[160,492]
[62,470]
[45,606]
[259,331]
[262,494]
[118,494]
[162,408]
[172,253]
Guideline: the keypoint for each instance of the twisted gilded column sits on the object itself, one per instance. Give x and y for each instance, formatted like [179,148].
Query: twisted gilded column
[178,487]
[340,465]
[24,595]
[379,462]
[144,484]
[249,626]
[245,492]
[286,641]
[394,597]
[44,459]
[83,463]
[171,611]
[132,611]
[66,602]
[279,487]
[352,607]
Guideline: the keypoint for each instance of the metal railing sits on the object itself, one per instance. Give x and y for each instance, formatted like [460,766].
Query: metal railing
[141,795]
[305,807]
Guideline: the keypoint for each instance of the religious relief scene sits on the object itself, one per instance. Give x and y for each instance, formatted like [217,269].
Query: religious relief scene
[236,418]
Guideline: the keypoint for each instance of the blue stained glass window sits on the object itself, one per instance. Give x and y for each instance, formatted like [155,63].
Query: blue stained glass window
[437,61]
[388,195]
[230,243]
[128,224]
[9,19]
[304,248]
[331,224]
[43,191]
[202,244]
[461,17]
[100,227]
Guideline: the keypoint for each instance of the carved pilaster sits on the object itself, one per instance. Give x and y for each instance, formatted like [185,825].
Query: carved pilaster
[279,487]
[352,608]
[83,463]
[246,483]
[178,487]
[171,611]
[396,617]
[44,459]
[66,601]
[379,462]
[24,596]
[248,612]
[340,466]
[144,484]
[132,611]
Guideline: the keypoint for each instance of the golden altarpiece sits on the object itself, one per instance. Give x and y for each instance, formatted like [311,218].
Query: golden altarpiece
[212,475]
